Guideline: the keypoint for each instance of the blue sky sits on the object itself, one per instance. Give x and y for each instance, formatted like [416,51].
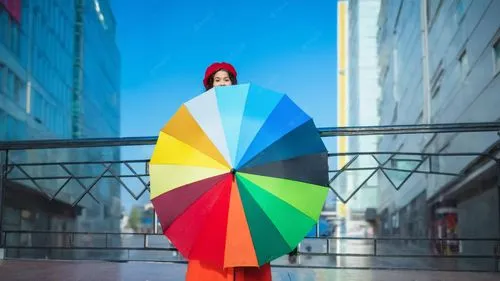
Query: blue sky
[288,46]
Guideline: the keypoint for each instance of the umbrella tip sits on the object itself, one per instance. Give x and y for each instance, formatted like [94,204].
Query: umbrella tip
[233,171]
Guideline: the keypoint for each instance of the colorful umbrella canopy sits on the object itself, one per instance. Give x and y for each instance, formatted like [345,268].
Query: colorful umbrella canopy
[238,176]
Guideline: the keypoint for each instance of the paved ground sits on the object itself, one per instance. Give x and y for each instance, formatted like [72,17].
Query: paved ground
[13,270]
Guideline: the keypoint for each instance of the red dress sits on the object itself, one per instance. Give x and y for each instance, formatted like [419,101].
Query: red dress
[197,271]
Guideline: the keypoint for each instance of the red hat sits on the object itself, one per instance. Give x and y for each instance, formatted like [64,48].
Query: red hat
[213,68]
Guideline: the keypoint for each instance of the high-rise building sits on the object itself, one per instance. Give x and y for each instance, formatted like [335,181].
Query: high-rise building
[439,63]
[357,95]
[59,78]
[96,91]
[363,94]
[96,106]
[36,54]
[36,58]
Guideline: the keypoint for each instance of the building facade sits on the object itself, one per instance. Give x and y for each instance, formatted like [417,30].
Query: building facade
[439,62]
[36,54]
[364,93]
[96,106]
[358,92]
[42,96]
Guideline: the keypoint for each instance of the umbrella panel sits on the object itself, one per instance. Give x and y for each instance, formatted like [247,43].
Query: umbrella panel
[297,169]
[170,150]
[298,142]
[205,111]
[290,222]
[267,240]
[170,205]
[239,250]
[231,103]
[186,228]
[283,119]
[307,198]
[255,115]
[184,127]
[164,178]
[211,240]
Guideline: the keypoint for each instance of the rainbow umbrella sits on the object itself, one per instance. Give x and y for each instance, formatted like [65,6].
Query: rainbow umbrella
[238,176]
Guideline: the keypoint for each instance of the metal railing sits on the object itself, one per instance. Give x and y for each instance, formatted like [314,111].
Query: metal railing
[326,252]
[14,171]
[107,171]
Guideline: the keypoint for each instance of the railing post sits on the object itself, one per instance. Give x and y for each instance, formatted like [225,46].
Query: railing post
[155,222]
[328,245]
[496,258]
[375,246]
[3,183]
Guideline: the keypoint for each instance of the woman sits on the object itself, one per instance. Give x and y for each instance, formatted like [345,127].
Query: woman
[224,74]
[219,74]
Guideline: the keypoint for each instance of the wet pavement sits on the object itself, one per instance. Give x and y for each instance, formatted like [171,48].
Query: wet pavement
[13,270]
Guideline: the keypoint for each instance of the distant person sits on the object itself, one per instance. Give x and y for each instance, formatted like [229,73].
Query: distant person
[292,256]
[224,74]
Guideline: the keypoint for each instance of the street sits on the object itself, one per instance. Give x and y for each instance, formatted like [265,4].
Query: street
[319,246]
[106,271]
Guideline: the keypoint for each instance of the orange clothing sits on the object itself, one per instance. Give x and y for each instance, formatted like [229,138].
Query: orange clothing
[196,271]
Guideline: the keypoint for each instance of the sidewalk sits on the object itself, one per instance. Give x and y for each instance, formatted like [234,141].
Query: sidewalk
[16,270]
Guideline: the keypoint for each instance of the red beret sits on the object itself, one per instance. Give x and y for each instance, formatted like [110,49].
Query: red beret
[213,68]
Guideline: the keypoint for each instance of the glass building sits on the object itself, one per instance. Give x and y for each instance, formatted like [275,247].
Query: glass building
[439,63]
[96,106]
[59,78]
[36,52]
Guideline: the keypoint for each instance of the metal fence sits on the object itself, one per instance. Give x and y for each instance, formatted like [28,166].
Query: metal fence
[331,252]
[84,178]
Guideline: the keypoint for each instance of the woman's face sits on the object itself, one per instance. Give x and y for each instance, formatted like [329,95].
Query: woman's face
[221,78]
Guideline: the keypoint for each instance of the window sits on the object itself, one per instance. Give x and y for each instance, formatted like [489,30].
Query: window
[459,10]
[436,162]
[437,79]
[11,128]
[435,91]
[36,109]
[395,114]
[4,26]
[3,121]
[432,10]
[9,31]
[383,74]
[496,55]
[14,42]
[10,83]
[395,220]
[20,93]
[464,64]
[2,78]
[420,117]
[395,75]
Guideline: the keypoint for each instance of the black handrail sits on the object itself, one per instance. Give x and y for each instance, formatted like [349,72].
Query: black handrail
[324,132]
